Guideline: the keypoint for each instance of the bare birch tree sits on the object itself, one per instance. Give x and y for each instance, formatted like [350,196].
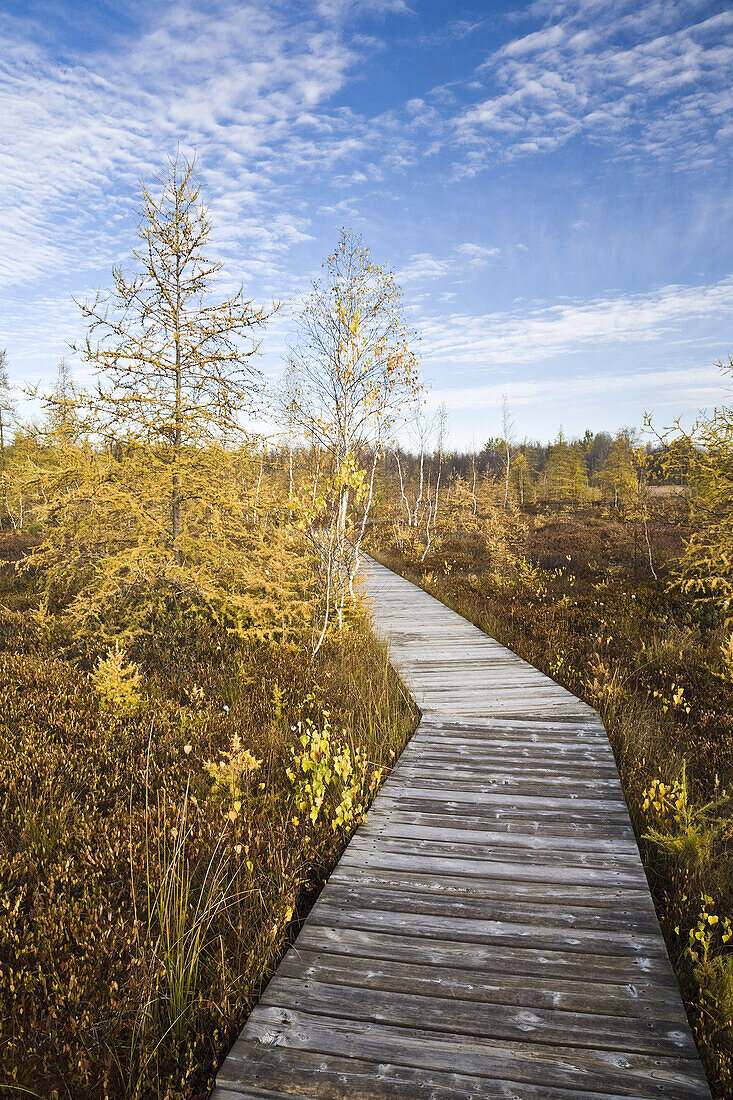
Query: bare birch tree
[350,377]
[507,428]
[7,411]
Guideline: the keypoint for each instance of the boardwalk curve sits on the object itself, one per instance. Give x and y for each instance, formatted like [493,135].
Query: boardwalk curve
[488,932]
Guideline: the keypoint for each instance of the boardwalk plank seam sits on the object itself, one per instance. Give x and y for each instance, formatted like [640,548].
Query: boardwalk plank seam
[488,931]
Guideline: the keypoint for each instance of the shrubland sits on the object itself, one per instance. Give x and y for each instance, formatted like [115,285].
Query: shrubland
[169,810]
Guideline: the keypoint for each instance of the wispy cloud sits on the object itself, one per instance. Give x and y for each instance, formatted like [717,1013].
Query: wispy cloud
[241,83]
[477,255]
[678,388]
[605,72]
[423,266]
[529,336]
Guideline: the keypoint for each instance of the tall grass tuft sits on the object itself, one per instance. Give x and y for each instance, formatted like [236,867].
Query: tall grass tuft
[185,894]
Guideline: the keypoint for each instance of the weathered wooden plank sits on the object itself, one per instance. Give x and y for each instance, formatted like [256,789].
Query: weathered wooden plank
[437,792]
[557,1065]
[532,764]
[464,830]
[480,760]
[504,694]
[651,1034]
[489,931]
[556,830]
[575,867]
[551,758]
[566,742]
[560,744]
[538,734]
[523,782]
[553,753]
[632,1000]
[526,959]
[570,785]
[505,933]
[590,722]
[502,849]
[498,908]
[512,813]
[560,729]
[521,890]
[384,856]
[310,1075]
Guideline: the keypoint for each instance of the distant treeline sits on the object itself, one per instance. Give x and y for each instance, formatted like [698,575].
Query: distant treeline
[598,468]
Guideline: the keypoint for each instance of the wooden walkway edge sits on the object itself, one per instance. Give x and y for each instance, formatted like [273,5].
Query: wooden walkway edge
[488,932]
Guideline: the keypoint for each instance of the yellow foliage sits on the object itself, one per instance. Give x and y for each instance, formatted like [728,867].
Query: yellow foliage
[116,682]
[704,574]
[726,653]
[711,962]
[680,829]
[231,773]
[333,782]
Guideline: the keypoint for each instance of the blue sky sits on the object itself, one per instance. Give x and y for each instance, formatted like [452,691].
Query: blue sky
[551,182]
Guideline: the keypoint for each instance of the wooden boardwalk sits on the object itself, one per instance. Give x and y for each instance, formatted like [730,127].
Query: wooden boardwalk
[488,931]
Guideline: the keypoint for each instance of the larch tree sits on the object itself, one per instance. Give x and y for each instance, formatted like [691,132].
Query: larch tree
[703,458]
[174,369]
[146,514]
[618,475]
[566,474]
[352,376]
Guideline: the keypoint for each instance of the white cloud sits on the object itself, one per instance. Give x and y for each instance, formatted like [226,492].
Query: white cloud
[247,84]
[678,387]
[606,71]
[547,332]
[423,266]
[477,255]
[532,43]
